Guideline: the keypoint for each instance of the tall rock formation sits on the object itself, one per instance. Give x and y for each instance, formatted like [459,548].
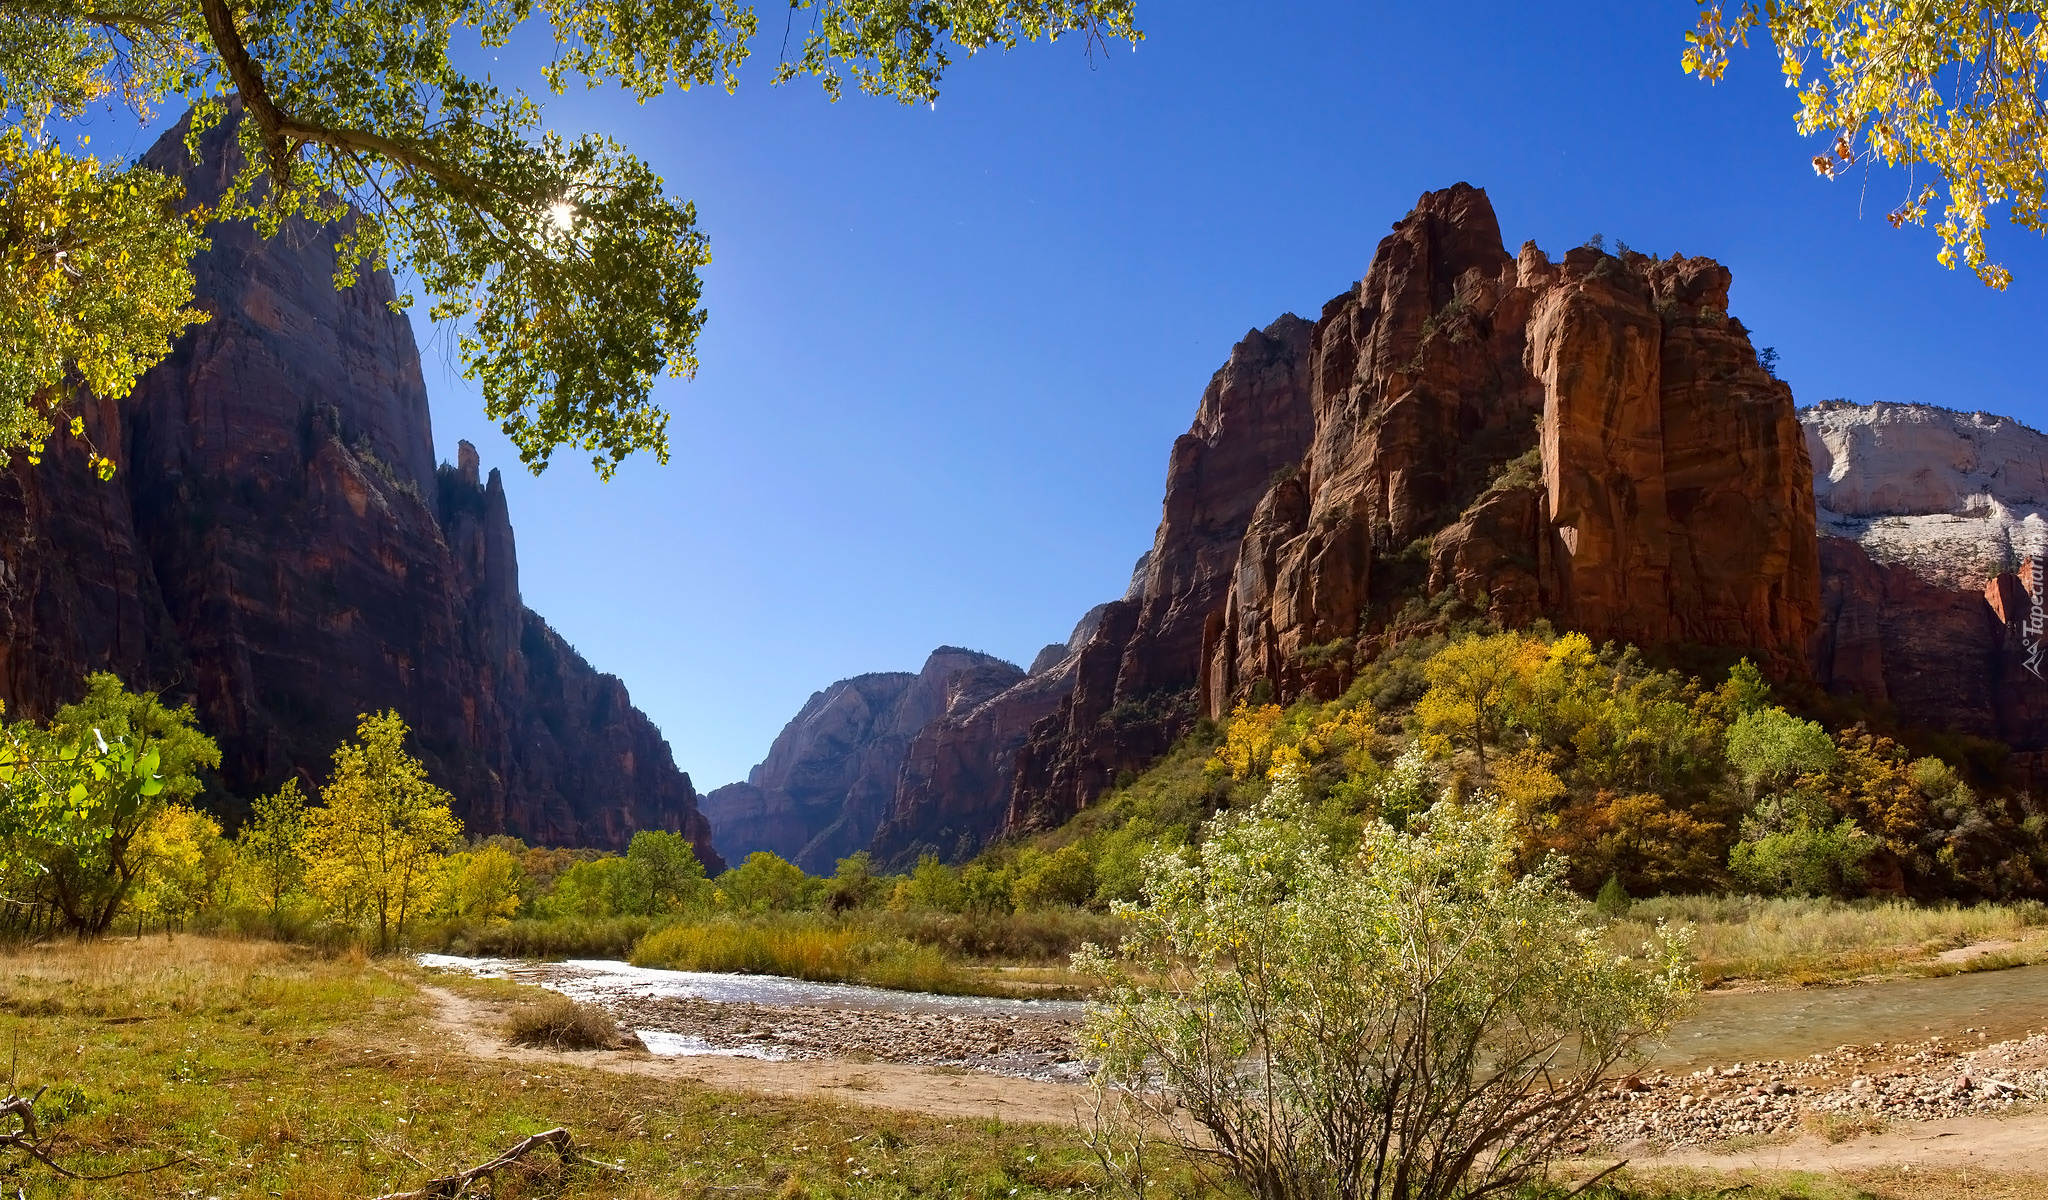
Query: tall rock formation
[1934,531]
[279,548]
[829,779]
[1591,441]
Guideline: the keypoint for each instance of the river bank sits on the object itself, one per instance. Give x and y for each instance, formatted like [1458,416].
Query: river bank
[1750,1068]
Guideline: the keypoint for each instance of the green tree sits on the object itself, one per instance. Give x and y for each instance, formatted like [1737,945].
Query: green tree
[270,849]
[376,843]
[932,886]
[767,883]
[80,793]
[1063,876]
[854,882]
[1770,746]
[572,273]
[593,889]
[1953,87]
[665,871]
[1412,1023]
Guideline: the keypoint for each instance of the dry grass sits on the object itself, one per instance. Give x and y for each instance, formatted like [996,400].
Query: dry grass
[559,1023]
[1836,1128]
[1753,940]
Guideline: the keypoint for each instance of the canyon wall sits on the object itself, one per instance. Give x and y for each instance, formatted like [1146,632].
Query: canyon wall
[832,774]
[1590,441]
[279,548]
[1932,525]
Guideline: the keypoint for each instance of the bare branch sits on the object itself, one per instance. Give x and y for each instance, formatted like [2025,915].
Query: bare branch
[447,1186]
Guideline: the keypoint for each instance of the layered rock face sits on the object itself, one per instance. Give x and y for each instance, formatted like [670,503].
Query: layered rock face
[1957,497]
[1590,441]
[1932,527]
[831,776]
[279,548]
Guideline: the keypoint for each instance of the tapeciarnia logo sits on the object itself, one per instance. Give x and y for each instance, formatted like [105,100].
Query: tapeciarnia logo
[2037,618]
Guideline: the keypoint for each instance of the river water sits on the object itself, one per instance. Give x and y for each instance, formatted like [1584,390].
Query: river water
[1729,1027]
[1795,1022]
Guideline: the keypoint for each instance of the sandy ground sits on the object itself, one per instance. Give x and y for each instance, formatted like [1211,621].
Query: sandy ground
[937,1092]
[2014,1143]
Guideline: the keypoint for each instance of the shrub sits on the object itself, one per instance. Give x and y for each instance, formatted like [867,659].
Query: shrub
[559,1023]
[1415,1022]
[1806,860]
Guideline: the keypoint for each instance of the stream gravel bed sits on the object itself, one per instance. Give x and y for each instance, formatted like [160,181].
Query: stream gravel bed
[1836,1093]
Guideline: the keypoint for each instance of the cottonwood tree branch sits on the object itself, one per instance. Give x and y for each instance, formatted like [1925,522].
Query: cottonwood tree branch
[283,134]
[448,1186]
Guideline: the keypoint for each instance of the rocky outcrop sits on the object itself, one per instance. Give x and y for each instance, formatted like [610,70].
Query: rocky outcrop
[831,775]
[1133,681]
[1931,551]
[1591,441]
[279,548]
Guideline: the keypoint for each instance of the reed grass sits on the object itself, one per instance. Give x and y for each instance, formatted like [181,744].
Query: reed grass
[805,946]
[562,937]
[1753,939]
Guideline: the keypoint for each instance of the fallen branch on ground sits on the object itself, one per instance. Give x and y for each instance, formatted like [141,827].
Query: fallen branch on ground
[26,1138]
[448,1186]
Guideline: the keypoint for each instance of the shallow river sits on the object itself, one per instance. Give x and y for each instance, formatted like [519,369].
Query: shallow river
[1745,1026]
[1738,1027]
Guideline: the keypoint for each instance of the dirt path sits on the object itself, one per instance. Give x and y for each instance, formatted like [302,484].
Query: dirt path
[936,1092]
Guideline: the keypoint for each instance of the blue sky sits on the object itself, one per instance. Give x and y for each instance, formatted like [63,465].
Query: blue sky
[949,348]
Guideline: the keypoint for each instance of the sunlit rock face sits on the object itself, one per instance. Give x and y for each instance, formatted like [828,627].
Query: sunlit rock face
[1590,441]
[1957,497]
[1932,523]
[279,548]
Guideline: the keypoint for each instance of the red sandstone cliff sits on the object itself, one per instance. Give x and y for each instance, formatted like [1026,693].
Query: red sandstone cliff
[1133,689]
[831,776]
[1667,500]
[279,548]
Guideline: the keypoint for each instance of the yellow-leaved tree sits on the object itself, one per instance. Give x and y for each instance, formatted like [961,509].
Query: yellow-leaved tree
[270,849]
[1475,685]
[375,846]
[1953,86]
